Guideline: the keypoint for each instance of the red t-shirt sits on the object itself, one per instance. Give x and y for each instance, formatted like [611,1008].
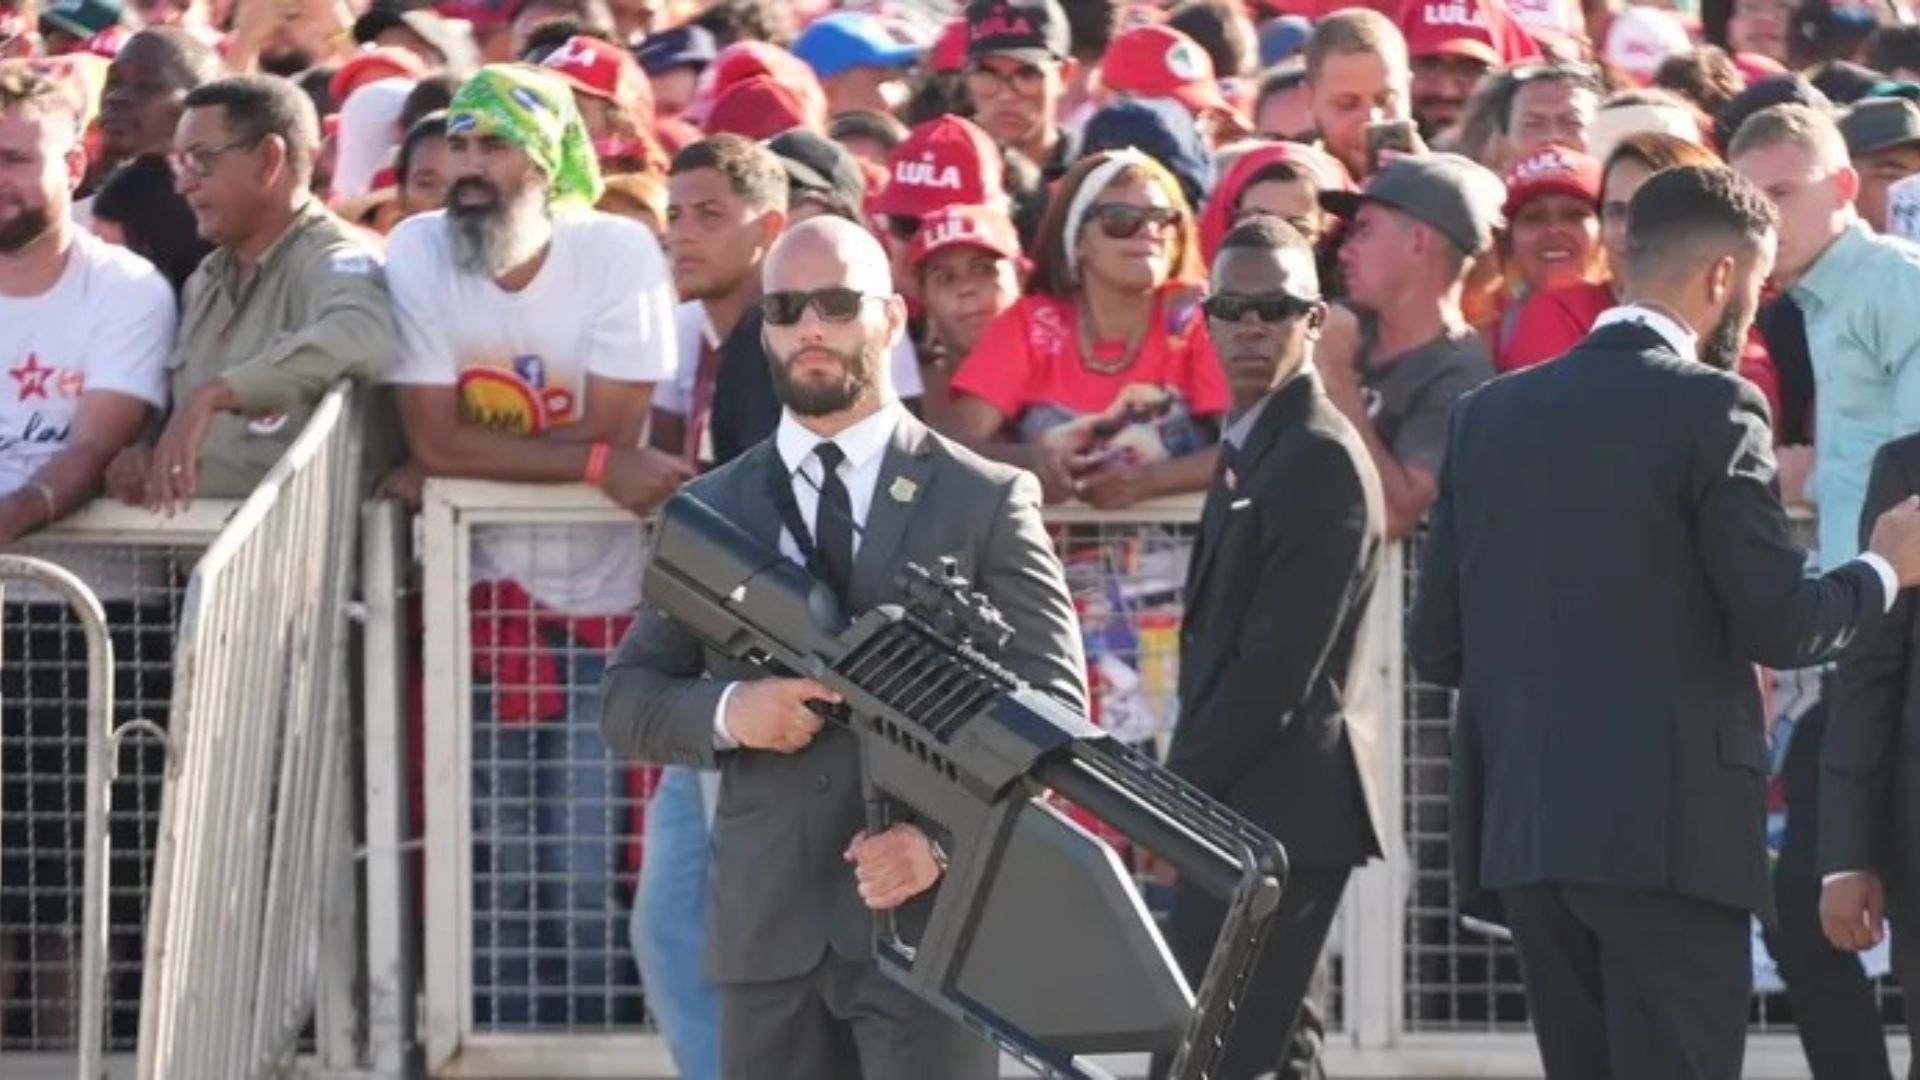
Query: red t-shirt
[1551,323]
[1027,364]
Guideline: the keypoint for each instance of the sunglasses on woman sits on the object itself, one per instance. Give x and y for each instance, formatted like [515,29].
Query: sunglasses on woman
[835,305]
[1123,221]
[1233,307]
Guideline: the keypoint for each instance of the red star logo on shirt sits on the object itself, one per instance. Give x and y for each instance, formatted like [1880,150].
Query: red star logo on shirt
[32,377]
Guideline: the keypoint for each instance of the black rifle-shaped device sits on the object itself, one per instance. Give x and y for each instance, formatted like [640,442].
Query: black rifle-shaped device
[1037,936]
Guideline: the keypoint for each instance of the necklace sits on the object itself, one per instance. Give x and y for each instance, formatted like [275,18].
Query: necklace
[1084,324]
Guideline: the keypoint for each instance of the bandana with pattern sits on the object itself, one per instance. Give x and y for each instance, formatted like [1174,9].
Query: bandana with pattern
[535,112]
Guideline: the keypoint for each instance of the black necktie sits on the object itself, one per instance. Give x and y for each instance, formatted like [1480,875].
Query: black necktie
[833,522]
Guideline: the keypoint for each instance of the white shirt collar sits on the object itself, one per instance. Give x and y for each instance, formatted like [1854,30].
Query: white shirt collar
[861,442]
[1678,337]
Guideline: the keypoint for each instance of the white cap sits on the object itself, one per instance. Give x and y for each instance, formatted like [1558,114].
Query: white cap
[1903,209]
[1610,126]
[1641,37]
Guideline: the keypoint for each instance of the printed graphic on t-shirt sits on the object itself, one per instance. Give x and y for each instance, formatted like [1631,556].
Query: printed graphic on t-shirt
[513,396]
[33,379]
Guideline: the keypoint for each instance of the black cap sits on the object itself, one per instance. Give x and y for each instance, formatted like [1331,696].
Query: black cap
[1880,124]
[1765,94]
[681,47]
[1032,31]
[818,166]
[1455,196]
[1163,130]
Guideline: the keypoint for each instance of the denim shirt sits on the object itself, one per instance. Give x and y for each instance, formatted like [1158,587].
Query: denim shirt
[1861,298]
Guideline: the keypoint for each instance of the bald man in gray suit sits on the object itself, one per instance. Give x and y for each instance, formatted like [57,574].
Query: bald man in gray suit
[853,487]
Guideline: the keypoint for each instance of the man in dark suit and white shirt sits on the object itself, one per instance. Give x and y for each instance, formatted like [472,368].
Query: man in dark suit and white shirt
[1607,561]
[1870,772]
[1272,717]
[854,487]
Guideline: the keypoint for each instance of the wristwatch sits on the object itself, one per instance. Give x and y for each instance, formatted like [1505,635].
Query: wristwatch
[939,854]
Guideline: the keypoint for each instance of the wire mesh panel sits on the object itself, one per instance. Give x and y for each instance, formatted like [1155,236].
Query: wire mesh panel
[43,756]
[555,820]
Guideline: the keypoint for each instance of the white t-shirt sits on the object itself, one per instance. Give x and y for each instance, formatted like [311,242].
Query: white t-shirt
[106,325]
[602,303]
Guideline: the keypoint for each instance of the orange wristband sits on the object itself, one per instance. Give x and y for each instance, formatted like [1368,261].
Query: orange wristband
[597,463]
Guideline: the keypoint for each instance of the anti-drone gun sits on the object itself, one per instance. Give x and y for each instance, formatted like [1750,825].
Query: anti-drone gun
[1037,936]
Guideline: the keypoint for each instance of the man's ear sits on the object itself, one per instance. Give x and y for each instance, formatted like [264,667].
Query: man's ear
[896,320]
[772,224]
[76,165]
[1846,183]
[1316,321]
[1720,279]
[275,159]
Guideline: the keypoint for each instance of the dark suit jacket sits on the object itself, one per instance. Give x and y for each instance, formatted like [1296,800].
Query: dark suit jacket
[1606,561]
[1870,763]
[780,893]
[1272,721]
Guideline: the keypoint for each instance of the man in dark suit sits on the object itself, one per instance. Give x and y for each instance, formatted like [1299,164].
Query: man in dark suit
[836,488]
[1270,650]
[1870,773]
[1607,561]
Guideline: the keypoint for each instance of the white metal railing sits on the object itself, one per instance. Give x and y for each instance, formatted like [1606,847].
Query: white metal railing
[253,841]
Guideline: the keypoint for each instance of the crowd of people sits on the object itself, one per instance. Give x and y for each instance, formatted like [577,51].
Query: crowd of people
[539,232]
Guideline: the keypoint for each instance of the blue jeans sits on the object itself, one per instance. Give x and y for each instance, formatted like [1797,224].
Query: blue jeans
[547,820]
[670,924]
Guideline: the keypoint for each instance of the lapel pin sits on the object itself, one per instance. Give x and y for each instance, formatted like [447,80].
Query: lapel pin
[1233,481]
[903,489]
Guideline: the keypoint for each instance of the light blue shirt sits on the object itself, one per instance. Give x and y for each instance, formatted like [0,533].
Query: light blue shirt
[1861,298]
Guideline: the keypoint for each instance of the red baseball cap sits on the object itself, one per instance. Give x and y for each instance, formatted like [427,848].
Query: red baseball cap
[949,52]
[372,65]
[604,70]
[1552,170]
[1159,61]
[745,60]
[945,161]
[1449,28]
[757,108]
[965,226]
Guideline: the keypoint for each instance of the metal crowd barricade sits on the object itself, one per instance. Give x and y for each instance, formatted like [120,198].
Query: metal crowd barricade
[100,736]
[149,555]
[254,849]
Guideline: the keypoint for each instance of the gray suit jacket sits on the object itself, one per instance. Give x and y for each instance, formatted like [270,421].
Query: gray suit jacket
[779,892]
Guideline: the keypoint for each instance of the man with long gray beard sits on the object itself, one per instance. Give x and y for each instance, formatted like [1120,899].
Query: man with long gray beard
[533,331]
[853,487]
[1600,603]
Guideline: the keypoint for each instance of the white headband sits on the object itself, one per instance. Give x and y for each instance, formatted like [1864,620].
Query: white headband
[1091,189]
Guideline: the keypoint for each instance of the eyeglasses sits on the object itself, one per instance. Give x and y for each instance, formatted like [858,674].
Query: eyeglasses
[835,305]
[1580,74]
[1123,221]
[1025,80]
[904,227]
[199,160]
[1233,307]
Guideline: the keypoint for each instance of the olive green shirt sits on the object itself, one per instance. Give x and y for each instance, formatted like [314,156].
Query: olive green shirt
[314,311]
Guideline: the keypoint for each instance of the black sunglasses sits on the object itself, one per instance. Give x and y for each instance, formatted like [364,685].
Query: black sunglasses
[834,305]
[1123,221]
[1233,307]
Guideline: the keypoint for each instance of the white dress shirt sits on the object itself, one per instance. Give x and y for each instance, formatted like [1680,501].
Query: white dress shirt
[865,445]
[1684,341]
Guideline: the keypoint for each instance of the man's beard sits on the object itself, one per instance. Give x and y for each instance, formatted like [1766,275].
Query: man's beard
[824,399]
[491,238]
[1728,339]
[28,225]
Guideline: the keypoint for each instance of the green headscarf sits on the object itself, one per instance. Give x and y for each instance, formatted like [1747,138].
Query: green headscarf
[535,112]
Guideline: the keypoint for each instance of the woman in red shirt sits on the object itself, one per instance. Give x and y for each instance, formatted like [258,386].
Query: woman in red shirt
[1556,320]
[1552,238]
[1102,380]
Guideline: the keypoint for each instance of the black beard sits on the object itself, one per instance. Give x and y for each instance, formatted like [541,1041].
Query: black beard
[1728,339]
[26,227]
[812,399]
